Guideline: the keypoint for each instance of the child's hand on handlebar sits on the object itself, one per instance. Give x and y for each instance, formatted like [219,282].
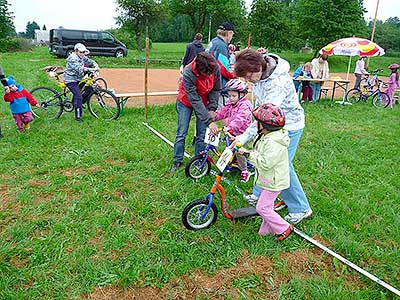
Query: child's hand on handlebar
[243,150]
[214,128]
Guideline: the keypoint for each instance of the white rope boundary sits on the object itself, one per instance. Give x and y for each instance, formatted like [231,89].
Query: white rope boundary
[302,234]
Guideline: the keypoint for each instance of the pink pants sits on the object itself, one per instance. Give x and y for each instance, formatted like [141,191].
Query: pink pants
[271,221]
[21,119]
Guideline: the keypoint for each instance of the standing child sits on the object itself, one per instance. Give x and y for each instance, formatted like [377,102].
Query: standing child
[4,83]
[270,157]
[237,111]
[19,100]
[393,82]
[307,90]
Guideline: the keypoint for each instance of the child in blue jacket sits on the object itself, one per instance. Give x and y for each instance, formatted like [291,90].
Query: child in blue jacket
[19,100]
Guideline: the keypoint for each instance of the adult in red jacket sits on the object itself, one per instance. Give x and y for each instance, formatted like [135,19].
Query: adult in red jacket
[199,92]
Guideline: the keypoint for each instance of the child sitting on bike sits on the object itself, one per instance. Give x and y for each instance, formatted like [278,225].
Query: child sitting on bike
[77,65]
[270,158]
[237,111]
[19,100]
[393,82]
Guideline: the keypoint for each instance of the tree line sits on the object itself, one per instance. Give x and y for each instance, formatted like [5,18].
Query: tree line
[274,24]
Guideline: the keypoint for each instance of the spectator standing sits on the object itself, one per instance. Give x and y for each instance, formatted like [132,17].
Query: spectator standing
[359,71]
[319,70]
[192,50]
[218,48]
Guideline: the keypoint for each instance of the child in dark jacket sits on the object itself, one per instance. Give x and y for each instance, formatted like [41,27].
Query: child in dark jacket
[19,100]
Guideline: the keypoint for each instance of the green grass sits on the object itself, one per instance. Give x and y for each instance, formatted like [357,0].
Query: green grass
[92,206]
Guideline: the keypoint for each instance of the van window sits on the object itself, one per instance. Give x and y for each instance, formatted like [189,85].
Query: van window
[107,37]
[90,36]
[72,35]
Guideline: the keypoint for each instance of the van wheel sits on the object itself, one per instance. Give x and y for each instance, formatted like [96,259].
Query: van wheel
[119,53]
[69,52]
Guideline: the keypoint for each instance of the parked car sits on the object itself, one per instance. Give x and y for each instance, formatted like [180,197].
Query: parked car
[103,43]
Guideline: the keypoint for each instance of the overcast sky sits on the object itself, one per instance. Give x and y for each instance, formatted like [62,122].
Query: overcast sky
[100,14]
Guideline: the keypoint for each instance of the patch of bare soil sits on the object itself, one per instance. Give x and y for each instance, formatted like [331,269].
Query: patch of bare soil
[197,285]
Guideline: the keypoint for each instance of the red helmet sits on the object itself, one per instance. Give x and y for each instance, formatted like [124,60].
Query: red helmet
[231,47]
[394,66]
[236,85]
[270,116]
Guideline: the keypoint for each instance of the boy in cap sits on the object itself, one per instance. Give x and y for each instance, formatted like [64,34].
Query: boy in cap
[19,100]
[218,47]
[77,65]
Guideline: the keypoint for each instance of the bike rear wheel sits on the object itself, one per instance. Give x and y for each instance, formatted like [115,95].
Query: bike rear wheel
[196,167]
[191,215]
[381,100]
[50,103]
[353,95]
[103,105]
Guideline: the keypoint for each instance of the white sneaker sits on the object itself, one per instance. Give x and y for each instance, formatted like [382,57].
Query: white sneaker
[295,218]
[252,199]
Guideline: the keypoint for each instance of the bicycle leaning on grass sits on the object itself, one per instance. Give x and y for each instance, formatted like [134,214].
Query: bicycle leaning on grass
[101,103]
[370,87]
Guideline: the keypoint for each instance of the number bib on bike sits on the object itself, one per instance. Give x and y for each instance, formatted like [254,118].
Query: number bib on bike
[210,138]
[225,159]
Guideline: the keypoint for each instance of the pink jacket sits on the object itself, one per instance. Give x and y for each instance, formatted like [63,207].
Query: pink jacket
[392,85]
[238,114]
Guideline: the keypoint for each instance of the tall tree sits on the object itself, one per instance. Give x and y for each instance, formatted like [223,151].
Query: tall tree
[269,24]
[30,29]
[137,14]
[323,21]
[6,20]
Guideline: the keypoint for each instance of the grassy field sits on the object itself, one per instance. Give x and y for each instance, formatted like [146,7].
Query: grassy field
[89,211]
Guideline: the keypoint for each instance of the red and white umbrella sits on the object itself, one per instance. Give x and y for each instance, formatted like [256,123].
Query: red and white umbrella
[352,46]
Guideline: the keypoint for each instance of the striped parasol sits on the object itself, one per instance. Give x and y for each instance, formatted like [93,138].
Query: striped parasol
[353,46]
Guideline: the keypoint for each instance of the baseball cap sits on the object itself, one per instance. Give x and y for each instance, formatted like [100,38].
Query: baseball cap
[80,47]
[227,26]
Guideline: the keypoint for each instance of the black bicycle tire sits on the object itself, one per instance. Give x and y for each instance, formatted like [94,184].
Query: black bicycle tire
[34,93]
[105,87]
[202,203]
[353,99]
[198,158]
[101,94]
[375,97]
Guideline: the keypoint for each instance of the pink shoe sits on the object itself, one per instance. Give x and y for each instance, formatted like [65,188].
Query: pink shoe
[245,176]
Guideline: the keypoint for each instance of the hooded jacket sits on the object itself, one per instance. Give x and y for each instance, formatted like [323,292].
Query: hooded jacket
[192,50]
[270,158]
[276,87]
[19,101]
[76,68]
[238,114]
[200,92]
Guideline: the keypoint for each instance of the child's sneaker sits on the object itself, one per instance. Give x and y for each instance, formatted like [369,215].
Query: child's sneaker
[279,204]
[252,199]
[26,126]
[295,218]
[285,234]
[245,176]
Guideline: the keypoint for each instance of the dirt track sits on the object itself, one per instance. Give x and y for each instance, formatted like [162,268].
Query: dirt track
[165,80]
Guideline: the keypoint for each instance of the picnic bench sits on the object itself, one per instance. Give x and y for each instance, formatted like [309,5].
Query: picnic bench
[124,97]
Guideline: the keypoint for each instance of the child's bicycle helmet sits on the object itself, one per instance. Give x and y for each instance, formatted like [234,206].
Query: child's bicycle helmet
[394,66]
[236,85]
[231,48]
[270,116]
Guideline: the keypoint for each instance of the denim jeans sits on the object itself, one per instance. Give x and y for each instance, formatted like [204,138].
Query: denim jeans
[316,90]
[184,116]
[293,196]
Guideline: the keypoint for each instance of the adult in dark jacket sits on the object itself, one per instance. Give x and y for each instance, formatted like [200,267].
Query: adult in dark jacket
[192,50]
[198,91]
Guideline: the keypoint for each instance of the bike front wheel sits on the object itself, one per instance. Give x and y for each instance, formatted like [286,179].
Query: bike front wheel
[101,83]
[103,105]
[353,95]
[381,100]
[191,215]
[197,167]
[50,103]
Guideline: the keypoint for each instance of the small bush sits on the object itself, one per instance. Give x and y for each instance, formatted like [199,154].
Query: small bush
[14,44]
